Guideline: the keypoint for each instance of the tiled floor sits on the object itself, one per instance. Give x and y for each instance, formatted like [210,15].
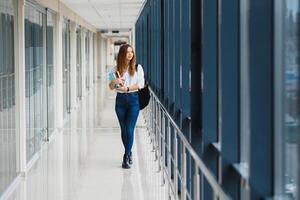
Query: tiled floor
[83,161]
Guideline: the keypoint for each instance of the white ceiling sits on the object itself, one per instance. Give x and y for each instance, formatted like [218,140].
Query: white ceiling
[107,14]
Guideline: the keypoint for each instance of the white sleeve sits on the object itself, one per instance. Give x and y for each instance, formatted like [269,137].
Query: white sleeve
[111,73]
[141,79]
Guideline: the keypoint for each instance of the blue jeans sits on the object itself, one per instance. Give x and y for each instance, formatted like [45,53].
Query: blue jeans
[127,109]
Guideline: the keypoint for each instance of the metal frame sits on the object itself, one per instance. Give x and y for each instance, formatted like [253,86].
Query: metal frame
[66,64]
[278,108]
[79,65]
[160,125]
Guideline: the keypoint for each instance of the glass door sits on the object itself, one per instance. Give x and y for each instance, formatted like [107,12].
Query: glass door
[35,64]
[8,165]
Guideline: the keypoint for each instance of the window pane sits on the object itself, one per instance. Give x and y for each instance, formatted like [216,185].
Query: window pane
[34,66]
[287,98]
[7,96]
[291,95]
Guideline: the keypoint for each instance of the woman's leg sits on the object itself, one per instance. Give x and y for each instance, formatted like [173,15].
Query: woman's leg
[121,114]
[131,118]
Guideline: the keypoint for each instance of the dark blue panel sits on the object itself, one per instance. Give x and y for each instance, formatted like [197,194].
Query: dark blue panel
[171,56]
[178,54]
[159,50]
[210,78]
[186,55]
[166,52]
[210,88]
[162,39]
[195,60]
[229,65]
[261,98]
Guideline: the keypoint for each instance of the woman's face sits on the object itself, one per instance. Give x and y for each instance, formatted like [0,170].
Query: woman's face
[129,54]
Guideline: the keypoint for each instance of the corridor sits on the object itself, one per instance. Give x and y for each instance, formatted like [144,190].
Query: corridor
[84,162]
[222,122]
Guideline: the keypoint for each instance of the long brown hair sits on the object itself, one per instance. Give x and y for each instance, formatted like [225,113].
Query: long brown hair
[121,61]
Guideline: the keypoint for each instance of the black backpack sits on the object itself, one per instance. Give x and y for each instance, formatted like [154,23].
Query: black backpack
[144,93]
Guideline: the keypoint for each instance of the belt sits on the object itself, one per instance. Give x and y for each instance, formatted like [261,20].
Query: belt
[127,93]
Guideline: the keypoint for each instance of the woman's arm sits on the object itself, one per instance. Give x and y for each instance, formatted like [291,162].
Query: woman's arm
[129,89]
[111,85]
[134,87]
[141,78]
[114,82]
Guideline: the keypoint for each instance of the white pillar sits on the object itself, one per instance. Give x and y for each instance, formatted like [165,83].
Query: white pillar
[58,100]
[91,63]
[73,65]
[96,56]
[58,72]
[20,87]
[102,56]
[99,55]
[110,53]
[105,47]
[133,36]
[83,63]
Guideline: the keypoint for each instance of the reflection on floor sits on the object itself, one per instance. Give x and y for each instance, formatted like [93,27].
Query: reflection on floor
[83,161]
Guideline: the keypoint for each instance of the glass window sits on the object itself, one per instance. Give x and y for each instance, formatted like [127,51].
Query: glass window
[34,79]
[287,128]
[7,96]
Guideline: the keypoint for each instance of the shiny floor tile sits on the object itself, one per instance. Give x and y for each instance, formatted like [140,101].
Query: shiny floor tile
[83,161]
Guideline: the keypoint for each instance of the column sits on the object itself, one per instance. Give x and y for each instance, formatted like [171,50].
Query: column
[91,63]
[58,71]
[73,65]
[96,63]
[20,87]
[83,63]
[100,56]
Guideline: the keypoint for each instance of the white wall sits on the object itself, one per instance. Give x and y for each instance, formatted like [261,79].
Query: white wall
[110,53]
[102,56]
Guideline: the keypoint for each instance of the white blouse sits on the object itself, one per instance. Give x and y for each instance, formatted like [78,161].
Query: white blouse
[137,78]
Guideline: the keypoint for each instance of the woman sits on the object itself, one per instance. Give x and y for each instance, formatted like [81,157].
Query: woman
[129,79]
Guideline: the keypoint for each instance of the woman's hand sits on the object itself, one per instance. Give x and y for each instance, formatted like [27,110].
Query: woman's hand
[115,82]
[122,89]
[118,81]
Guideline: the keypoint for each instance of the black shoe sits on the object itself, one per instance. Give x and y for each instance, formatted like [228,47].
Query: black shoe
[130,158]
[125,163]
